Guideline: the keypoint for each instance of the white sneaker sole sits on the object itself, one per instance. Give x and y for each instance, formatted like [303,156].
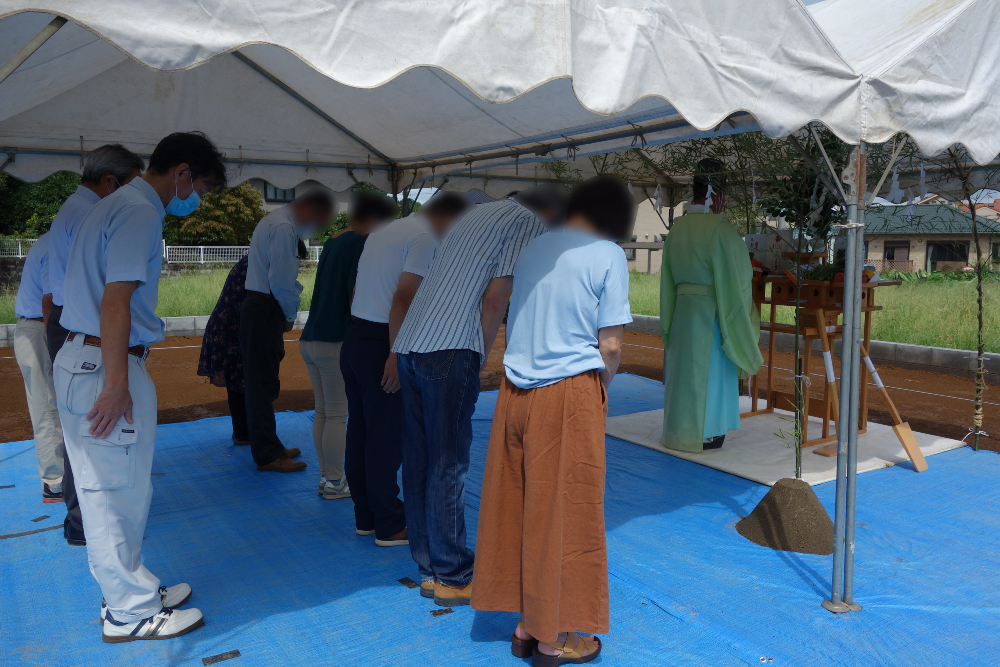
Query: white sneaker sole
[121,639]
[335,496]
[176,604]
[364,533]
[391,543]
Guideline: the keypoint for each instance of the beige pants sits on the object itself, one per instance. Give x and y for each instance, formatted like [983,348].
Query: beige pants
[330,424]
[32,354]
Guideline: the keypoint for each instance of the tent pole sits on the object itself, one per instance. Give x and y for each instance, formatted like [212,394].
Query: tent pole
[31,47]
[312,107]
[848,351]
[852,432]
[888,167]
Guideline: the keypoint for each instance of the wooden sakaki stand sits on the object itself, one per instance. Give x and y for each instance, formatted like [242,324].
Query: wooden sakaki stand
[822,305]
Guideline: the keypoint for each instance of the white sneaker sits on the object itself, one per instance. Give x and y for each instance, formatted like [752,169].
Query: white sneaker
[338,489]
[172,596]
[322,483]
[166,624]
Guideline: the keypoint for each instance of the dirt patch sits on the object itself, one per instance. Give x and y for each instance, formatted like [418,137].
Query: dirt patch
[790,518]
[931,403]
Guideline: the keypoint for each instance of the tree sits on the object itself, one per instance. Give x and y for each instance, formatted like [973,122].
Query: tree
[225,217]
[956,166]
[27,209]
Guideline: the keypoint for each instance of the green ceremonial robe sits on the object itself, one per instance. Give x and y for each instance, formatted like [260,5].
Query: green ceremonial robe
[706,275]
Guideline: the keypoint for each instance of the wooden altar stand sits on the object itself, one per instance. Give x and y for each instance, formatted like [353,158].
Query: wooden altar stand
[822,304]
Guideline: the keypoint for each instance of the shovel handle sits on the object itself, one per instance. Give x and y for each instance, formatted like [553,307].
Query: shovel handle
[896,419]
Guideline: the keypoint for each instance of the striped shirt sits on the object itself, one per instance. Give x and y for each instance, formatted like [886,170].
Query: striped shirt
[483,245]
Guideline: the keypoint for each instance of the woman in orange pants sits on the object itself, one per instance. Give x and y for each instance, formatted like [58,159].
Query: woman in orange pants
[541,548]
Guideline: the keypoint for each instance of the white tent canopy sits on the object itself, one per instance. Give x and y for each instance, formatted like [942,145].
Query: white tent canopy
[485,93]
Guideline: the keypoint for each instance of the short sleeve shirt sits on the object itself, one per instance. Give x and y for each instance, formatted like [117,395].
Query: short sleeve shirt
[405,245]
[567,286]
[71,213]
[446,313]
[120,240]
[34,280]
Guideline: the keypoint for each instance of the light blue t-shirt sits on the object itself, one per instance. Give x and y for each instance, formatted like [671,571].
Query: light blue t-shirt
[74,209]
[34,279]
[273,266]
[567,286]
[119,241]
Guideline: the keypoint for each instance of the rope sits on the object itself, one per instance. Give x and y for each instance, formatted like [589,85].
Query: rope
[973,431]
[639,136]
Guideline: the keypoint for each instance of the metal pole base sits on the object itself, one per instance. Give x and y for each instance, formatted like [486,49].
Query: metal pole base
[840,607]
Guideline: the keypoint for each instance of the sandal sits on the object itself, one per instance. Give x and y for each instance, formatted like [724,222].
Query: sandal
[569,656]
[522,648]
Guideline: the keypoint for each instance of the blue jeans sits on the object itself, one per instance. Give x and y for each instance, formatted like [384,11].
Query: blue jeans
[439,390]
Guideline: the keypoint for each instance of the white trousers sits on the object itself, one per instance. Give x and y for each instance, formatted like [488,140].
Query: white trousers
[32,353]
[330,423]
[112,475]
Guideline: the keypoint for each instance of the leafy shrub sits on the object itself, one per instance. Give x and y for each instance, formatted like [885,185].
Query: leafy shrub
[225,217]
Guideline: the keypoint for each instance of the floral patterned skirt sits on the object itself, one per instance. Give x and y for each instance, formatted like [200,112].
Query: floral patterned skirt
[221,360]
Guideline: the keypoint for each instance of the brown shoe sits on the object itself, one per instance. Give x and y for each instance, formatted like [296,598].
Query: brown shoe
[291,453]
[397,540]
[452,596]
[427,588]
[282,464]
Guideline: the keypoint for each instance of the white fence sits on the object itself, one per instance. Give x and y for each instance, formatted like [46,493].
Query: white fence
[174,254]
[15,247]
[217,254]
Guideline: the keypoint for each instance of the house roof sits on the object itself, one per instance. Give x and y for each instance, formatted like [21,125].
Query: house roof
[926,219]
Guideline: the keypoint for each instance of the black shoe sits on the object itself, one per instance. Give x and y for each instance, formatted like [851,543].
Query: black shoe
[50,496]
[74,538]
[714,443]
[240,441]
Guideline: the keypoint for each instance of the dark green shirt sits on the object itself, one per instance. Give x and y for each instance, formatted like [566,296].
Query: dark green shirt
[330,310]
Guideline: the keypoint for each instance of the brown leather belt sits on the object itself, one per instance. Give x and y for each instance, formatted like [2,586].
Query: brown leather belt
[35,319]
[140,351]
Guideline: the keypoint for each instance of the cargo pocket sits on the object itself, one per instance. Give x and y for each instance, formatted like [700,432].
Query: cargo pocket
[76,381]
[109,462]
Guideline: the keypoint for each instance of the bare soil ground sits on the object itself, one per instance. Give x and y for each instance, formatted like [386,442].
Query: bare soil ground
[930,402]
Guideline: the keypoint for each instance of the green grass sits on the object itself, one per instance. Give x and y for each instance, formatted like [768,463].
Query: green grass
[187,294]
[8,293]
[196,293]
[939,314]
[644,293]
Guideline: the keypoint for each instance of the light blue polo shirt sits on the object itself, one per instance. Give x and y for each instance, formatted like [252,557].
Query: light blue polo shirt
[567,286]
[71,213]
[34,279]
[119,241]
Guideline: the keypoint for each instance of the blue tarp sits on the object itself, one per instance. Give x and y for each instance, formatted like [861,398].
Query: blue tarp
[283,579]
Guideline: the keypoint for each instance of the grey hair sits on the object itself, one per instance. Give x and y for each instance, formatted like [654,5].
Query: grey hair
[112,159]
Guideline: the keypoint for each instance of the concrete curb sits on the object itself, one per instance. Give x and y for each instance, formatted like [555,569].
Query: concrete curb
[173,326]
[901,355]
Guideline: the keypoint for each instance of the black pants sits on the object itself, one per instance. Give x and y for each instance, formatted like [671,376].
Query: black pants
[262,328]
[238,413]
[374,430]
[55,337]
